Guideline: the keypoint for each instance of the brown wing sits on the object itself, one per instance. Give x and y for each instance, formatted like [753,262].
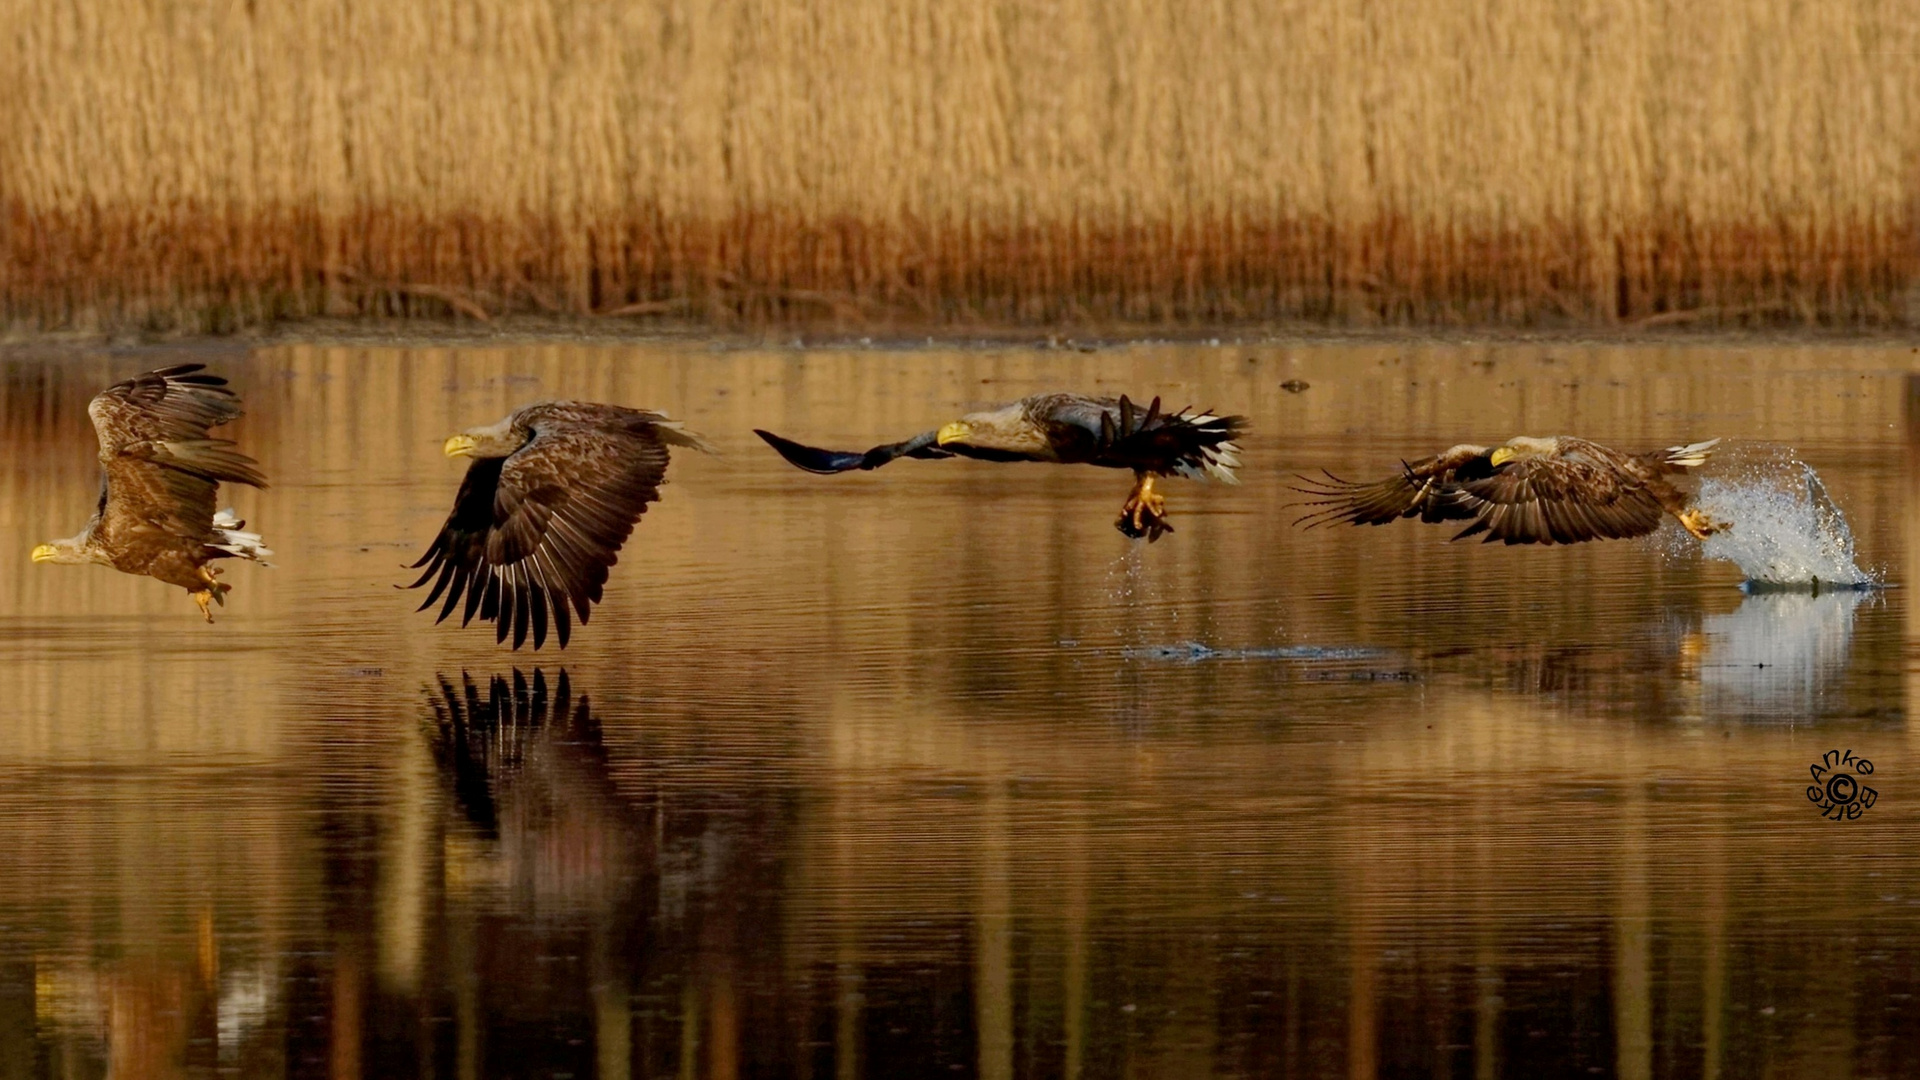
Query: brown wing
[162,469]
[540,528]
[1558,500]
[178,402]
[1425,489]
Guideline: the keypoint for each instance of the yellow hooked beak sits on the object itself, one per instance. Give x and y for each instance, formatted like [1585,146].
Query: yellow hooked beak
[45,553]
[954,432]
[1501,455]
[459,446]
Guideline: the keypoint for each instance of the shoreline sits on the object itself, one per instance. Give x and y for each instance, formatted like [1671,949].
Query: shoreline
[532,330]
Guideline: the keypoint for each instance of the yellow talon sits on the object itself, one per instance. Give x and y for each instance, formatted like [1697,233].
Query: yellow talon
[1700,524]
[214,593]
[1145,512]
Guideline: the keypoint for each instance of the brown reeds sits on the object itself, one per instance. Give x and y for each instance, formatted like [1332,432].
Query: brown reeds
[207,164]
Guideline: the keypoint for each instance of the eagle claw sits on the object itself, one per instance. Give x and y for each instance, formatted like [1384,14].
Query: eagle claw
[1701,524]
[215,592]
[1144,514]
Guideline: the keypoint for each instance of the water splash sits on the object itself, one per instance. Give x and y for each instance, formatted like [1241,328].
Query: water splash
[1128,581]
[1144,608]
[1786,529]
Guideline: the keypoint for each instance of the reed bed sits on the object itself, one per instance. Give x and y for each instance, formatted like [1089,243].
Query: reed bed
[208,164]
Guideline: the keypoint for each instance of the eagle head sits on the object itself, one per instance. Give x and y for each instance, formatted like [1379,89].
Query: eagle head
[62,551]
[1521,446]
[1008,430]
[493,441]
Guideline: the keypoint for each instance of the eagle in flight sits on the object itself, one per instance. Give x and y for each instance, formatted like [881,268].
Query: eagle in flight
[553,492]
[1067,429]
[160,477]
[1560,490]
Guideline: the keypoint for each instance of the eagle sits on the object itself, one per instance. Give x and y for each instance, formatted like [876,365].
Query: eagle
[554,490]
[1067,429]
[160,477]
[1559,490]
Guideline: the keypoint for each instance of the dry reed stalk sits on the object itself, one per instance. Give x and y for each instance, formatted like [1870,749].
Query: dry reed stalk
[216,163]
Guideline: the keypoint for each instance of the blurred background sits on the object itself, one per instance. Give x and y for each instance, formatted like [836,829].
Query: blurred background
[216,164]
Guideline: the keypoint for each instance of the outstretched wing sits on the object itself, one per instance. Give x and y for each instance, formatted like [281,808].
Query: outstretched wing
[161,467]
[538,530]
[1356,502]
[170,403]
[1553,500]
[1426,489]
[815,460]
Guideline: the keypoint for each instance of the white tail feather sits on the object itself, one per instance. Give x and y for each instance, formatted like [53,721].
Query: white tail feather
[1691,455]
[228,537]
[1217,462]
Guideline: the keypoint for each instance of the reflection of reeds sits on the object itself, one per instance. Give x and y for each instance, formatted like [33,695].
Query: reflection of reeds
[213,163]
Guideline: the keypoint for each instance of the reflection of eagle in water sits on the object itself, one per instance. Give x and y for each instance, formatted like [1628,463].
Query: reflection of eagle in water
[1067,429]
[552,493]
[483,738]
[1560,490]
[160,477]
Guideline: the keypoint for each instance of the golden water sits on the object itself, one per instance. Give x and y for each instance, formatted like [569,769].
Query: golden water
[916,772]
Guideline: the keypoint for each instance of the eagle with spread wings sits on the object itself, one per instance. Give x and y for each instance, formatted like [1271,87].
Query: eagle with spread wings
[553,492]
[160,478]
[1559,490]
[1067,429]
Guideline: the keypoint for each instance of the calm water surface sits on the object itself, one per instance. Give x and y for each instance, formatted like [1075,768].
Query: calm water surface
[929,772]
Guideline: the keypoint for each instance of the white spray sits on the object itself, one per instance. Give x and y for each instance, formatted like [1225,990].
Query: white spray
[1786,529]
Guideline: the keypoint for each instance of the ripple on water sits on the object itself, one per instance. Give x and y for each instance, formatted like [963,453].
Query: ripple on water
[1194,651]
